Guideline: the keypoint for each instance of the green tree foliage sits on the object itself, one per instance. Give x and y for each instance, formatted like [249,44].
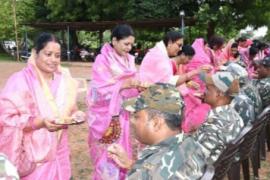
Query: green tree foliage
[224,17]
[6,22]
[229,16]
[24,11]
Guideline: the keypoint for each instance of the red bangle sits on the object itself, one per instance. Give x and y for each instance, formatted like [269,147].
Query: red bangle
[31,121]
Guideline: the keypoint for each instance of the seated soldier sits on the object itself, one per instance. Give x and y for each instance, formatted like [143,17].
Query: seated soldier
[158,114]
[223,123]
[242,103]
[263,81]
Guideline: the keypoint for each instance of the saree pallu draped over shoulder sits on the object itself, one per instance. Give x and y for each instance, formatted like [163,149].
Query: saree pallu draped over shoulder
[38,154]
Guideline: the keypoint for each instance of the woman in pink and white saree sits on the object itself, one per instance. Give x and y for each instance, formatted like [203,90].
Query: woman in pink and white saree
[157,66]
[33,104]
[113,81]
[195,110]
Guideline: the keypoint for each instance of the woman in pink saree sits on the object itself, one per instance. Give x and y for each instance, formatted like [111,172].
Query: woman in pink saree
[215,50]
[113,80]
[33,105]
[230,52]
[195,110]
[157,65]
[249,57]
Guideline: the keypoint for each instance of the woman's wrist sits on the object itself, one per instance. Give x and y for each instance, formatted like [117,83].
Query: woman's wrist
[32,123]
[124,85]
[36,123]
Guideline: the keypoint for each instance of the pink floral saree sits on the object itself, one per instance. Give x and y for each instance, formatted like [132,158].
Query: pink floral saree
[104,101]
[38,154]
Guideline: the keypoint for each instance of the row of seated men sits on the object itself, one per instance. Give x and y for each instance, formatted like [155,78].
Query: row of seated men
[235,102]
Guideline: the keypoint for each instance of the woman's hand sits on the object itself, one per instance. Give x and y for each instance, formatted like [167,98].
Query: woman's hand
[134,83]
[130,83]
[193,85]
[51,126]
[120,156]
[38,123]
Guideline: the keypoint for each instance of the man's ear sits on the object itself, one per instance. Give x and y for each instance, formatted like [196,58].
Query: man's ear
[157,123]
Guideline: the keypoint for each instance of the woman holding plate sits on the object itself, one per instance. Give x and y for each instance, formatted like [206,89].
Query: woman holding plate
[34,105]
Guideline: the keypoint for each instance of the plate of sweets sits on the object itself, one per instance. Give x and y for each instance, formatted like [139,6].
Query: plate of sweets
[76,118]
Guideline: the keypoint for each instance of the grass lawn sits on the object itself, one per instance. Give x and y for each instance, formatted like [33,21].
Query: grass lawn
[6,57]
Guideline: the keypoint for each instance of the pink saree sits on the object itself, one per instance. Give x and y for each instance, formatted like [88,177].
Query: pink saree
[227,52]
[38,154]
[200,58]
[157,66]
[104,101]
[195,111]
[248,62]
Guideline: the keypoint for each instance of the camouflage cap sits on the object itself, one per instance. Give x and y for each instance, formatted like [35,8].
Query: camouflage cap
[223,80]
[235,69]
[265,61]
[160,96]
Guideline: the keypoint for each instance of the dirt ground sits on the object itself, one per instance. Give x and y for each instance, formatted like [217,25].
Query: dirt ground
[81,165]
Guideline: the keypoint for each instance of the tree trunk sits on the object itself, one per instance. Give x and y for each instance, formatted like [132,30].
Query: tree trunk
[100,37]
[211,29]
[1,48]
[15,29]
[74,46]
[73,38]
[63,38]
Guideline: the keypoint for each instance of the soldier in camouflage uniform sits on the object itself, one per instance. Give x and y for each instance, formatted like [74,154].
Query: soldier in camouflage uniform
[252,92]
[223,123]
[244,107]
[169,155]
[263,81]
[242,103]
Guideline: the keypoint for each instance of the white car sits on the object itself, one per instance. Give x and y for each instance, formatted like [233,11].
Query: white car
[8,45]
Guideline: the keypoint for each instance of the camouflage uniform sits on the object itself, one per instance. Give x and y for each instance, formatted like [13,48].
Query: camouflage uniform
[244,106]
[241,103]
[263,86]
[241,62]
[161,96]
[222,126]
[251,91]
[173,158]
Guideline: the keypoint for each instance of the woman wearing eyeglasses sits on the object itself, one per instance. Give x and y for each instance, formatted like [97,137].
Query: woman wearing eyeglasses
[113,81]
[157,64]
